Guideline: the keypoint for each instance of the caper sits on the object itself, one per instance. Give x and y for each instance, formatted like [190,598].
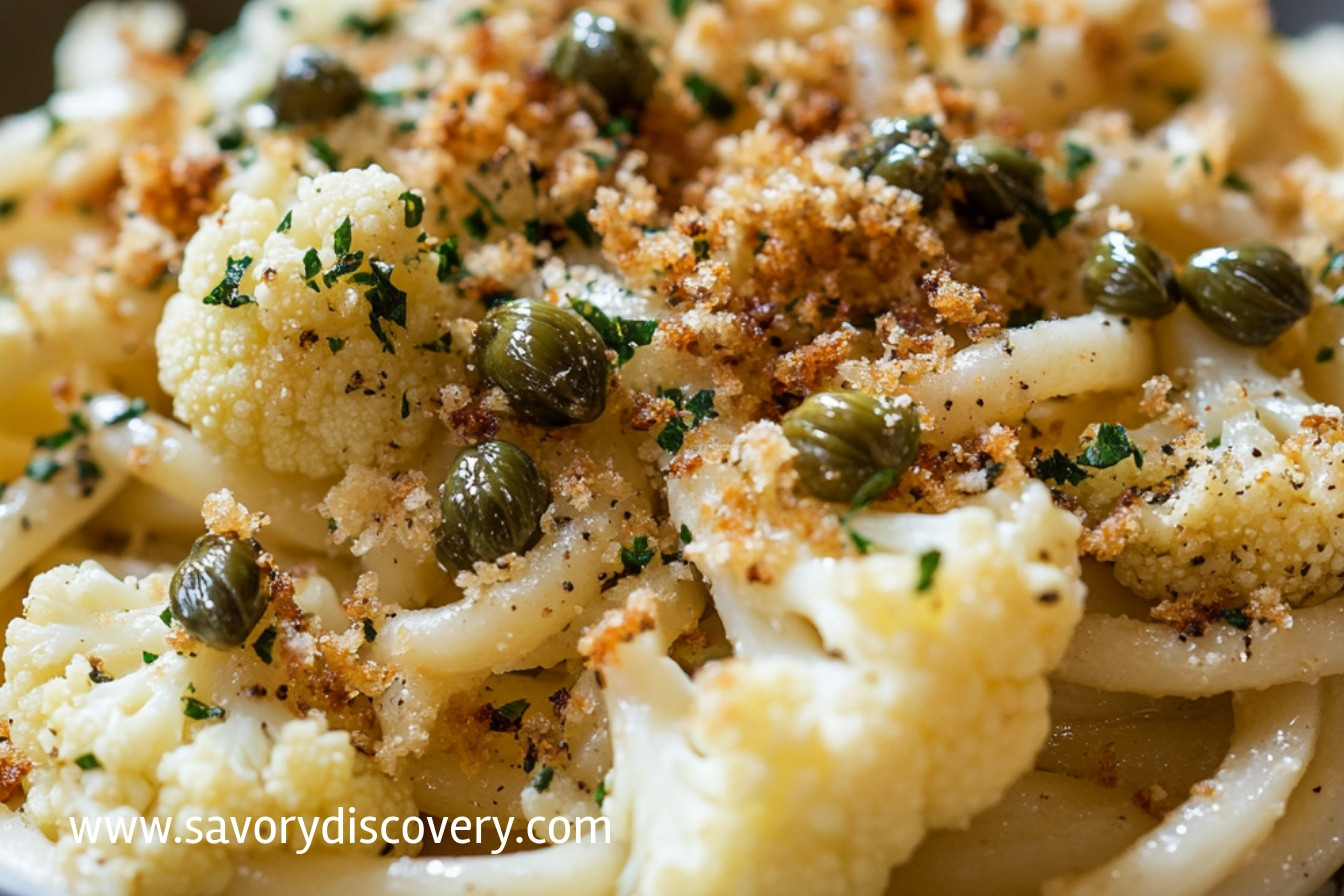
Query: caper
[607,57]
[549,361]
[312,86]
[909,153]
[1128,276]
[999,181]
[216,593]
[1250,293]
[843,439]
[492,505]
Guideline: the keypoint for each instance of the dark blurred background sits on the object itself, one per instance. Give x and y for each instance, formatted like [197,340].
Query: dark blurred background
[31,29]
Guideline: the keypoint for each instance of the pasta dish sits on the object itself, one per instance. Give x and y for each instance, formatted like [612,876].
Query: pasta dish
[675,448]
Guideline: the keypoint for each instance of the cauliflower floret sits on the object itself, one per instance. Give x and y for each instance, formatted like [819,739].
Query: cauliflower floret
[333,359]
[1246,499]
[96,700]
[871,697]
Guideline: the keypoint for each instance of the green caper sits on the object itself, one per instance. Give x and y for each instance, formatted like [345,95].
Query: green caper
[999,181]
[607,57]
[843,439]
[312,86]
[1250,293]
[216,593]
[909,153]
[1128,276]
[492,505]
[549,361]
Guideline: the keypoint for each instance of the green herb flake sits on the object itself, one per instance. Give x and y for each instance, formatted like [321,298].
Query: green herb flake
[471,17]
[1109,448]
[700,406]
[325,154]
[1077,159]
[1059,468]
[332,525]
[637,556]
[312,264]
[369,631]
[341,236]
[335,344]
[264,646]
[620,334]
[286,222]
[135,408]
[684,534]
[928,565]
[8,207]
[166,617]
[78,424]
[1237,619]
[195,709]
[148,657]
[507,717]
[543,779]
[1025,316]
[1058,221]
[485,203]
[712,100]
[226,293]
[88,762]
[86,474]
[1325,355]
[578,222]
[617,127]
[367,28]
[861,544]
[1205,165]
[415,208]
[600,794]
[386,302]
[1234,181]
[602,162]
[450,260]
[701,248]
[532,231]
[98,676]
[476,225]
[41,469]
[1215,442]
[55,440]
[678,9]
[345,265]
[1333,266]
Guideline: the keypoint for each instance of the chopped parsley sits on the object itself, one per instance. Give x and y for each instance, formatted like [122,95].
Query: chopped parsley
[678,8]
[135,408]
[543,779]
[1234,181]
[684,534]
[1326,354]
[700,406]
[264,646]
[878,483]
[1077,159]
[602,162]
[195,709]
[367,28]
[340,237]
[88,762]
[443,344]
[1109,448]
[8,207]
[41,469]
[226,293]
[1334,266]
[471,17]
[55,440]
[485,202]
[928,565]
[1058,467]
[386,302]
[335,344]
[332,525]
[312,264]
[1215,442]
[1025,316]
[712,100]
[637,556]
[415,208]
[993,470]
[86,474]
[578,222]
[148,657]
[476,225]
[1237,619]
[509,716]
[532,231]
[620,334]
[369,631]
[325,154]
[450,260]
[286,222]
[346,264]
[166,617]
[600,794]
